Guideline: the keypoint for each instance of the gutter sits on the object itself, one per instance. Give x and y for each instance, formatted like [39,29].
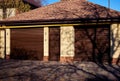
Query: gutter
[50,23]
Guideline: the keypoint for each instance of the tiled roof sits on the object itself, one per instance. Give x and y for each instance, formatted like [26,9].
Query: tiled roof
[72,9]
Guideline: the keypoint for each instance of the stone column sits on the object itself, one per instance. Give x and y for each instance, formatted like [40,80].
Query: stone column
[2,44]
[7,43]
[46,44]
[1,14]
[67,43]
[115,42]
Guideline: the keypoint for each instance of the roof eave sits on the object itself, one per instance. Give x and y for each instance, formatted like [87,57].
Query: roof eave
[60,21]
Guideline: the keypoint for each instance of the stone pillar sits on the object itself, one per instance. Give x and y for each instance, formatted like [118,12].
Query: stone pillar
[1,14]
[115,42]
[46,43]
[7,43]
[2,44]
[67,43]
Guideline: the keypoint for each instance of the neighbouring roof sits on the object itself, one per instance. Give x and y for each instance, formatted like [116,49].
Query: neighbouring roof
[36,3]
[67,10]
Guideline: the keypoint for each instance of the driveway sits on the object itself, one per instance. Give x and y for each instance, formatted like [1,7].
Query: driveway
[16,70]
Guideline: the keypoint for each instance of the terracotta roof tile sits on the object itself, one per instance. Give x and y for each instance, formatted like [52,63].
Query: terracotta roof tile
[67,10]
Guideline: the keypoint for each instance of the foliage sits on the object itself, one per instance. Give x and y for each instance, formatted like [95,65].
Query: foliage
[19,4]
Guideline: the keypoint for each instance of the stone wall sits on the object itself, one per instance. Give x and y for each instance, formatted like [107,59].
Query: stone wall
[67,43]
[115,42]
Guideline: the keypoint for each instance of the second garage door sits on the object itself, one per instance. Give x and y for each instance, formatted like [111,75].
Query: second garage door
[92,43]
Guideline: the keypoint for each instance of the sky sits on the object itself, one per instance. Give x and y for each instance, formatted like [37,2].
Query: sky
[114,4]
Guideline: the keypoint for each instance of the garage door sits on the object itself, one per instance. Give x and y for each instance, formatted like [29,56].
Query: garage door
[92,43]
[27,44]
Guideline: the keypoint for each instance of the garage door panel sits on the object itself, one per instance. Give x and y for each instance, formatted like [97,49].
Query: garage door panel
[54,43]
[26,40]
[92,43]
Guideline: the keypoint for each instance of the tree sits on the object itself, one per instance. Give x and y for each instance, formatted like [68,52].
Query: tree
[7,5]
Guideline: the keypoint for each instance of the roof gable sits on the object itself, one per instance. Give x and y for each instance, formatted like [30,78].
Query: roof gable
[77,9]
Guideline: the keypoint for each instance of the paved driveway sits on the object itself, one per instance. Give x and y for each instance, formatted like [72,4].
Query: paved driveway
[14,70]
